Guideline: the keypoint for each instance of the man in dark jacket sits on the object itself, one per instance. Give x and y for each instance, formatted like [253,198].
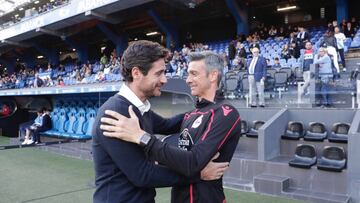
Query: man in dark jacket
[212,127]
[257,75]
[123,171]
[45,125]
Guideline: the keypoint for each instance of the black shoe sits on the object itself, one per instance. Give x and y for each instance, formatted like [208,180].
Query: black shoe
[262,106]
[253,106]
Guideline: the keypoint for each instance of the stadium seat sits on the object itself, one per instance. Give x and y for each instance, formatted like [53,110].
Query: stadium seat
[231,85]
[244,127]
[253,132]
[294,131]
[305,156]
[339,133]
[316,132]
[69,125]
[90,119]
[78,125]
[332,159]
[271,72]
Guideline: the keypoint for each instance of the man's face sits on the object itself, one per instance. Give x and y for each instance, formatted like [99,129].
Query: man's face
[198,79]
[308,45]
[150,84]
[336,30]
[255,52]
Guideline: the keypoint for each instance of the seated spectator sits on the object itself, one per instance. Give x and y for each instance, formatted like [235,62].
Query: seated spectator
[276,63]
[294,50]
[100,76]
[354,23]
[285,53]
[45,125]
[38,81]
[37,123]
[61,82]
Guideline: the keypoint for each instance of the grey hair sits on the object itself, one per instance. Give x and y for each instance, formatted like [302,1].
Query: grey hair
[212,60]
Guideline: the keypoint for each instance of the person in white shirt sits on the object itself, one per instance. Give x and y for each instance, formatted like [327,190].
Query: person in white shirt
[340,38]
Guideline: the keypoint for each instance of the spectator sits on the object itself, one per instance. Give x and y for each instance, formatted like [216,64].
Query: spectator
[38,82]
[340,38]
[45,125]
[354,23]
[276,63]
[343,25]
[331,47]
[100,76]
[302,37]
[294,50]
[257,75]
[349,30]
[325,75]
[37,123]
[232,51]
[254,44]
[285,53]
[306,59]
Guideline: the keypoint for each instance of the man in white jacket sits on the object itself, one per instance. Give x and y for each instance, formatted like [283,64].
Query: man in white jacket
[340,38]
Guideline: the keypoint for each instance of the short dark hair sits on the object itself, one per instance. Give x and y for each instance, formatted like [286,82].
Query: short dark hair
[212,60]
[141,54]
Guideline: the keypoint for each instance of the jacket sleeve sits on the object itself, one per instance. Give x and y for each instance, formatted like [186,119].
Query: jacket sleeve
[132,161]
[166,126]
[190,163]
[264,66]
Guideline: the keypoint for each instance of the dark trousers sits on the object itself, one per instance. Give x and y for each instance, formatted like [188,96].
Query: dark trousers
[342,56]
[36,133]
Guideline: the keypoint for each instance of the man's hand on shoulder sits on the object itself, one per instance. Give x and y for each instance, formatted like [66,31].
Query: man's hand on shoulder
[121,127]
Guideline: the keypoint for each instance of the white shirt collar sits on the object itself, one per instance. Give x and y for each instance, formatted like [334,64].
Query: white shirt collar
[126,92]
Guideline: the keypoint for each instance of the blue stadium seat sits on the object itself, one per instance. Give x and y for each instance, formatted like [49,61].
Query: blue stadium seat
[294,131]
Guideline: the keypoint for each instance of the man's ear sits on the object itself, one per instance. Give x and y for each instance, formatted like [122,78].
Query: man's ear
[214,75]
[136,73]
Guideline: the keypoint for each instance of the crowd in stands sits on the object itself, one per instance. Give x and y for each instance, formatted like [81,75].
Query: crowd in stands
[106,70]
[41,9]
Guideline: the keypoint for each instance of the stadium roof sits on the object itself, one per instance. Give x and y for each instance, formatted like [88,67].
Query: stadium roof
[7,6]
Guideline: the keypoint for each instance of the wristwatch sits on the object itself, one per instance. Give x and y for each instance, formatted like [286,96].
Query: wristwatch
[145,139]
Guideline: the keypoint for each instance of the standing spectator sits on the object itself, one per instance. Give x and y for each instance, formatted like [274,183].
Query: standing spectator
[254,43]
[349,30]
[302,37]
[343,25]
[340,38]
[257,75]
[232,51]
[306,58]
[325,75]
[331,47]
[354,23]
[241,53]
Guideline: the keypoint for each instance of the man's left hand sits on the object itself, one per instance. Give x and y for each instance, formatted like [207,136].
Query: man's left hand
[121,127]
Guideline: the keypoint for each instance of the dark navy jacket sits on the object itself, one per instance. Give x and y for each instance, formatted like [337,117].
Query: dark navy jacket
[260,68]
[123,172]
[208,129]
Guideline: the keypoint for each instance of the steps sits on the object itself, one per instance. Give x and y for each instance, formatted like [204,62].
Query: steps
[280,186]
[270,184]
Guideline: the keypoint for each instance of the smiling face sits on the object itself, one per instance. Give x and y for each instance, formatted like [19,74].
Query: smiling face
[150,84]
[203,84]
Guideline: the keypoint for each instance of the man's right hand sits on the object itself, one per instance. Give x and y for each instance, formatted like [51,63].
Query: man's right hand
[214,170]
